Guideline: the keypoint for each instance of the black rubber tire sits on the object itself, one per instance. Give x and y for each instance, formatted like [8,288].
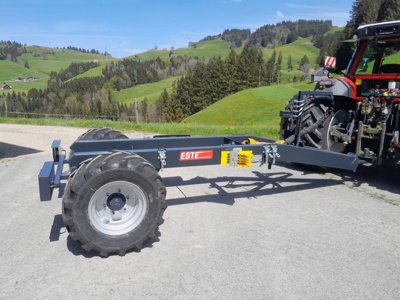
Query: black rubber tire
[286,128]
[102,134]
[82,217]
[313,112]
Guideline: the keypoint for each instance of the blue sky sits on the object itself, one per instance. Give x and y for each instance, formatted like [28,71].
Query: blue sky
[126,27]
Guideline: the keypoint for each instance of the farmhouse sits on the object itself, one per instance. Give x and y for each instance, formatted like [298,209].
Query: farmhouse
[7,87]
[27,79]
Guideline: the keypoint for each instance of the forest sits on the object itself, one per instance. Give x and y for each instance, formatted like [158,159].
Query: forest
[271,36]
[200,83]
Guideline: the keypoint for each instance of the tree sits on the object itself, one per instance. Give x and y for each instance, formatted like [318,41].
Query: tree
[304,60]
[277,69]
[231,70]
[270,69]
[144,110]
[250,68]
[289,63]
[305,66]
[330,45]
[389,10]
[363,12]
[161,104]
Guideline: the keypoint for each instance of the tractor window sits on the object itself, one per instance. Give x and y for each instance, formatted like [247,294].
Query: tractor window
[367,61]
[390,61]
[382,57]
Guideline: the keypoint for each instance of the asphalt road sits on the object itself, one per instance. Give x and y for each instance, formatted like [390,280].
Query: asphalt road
[229,233]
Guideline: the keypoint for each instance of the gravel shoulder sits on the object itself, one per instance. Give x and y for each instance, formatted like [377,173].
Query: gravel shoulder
[229,233]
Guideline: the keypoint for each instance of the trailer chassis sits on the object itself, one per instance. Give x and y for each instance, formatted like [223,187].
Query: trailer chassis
[98,209]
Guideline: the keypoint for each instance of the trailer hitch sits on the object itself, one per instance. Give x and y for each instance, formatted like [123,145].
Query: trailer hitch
[270,155]
[162,157]
[51,174]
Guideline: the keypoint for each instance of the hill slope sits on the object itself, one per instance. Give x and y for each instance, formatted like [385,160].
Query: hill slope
[215,48]
[206,50]
[41,61]
[258,107]
[151,91]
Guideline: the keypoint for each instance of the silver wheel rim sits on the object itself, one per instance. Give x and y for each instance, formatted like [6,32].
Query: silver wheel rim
[335,144]
[117,207]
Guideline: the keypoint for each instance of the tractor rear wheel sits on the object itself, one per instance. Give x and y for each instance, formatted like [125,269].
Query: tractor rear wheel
[286,126]
[315,121]
[113,203]
[318,119]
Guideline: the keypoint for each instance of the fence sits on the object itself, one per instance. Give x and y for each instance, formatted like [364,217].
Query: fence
[64,116]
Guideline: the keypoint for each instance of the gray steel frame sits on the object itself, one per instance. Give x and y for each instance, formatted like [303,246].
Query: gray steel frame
[165,152]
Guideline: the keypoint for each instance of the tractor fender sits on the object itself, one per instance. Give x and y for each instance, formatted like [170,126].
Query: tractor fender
[337,86]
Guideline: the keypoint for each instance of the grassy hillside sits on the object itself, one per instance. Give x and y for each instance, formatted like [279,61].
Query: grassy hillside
[94,71]
[41,65]
[254,111]
[151,91]
[252,107]
[56,59]
[9,71]
[297,50]
[209,49]
[206,50]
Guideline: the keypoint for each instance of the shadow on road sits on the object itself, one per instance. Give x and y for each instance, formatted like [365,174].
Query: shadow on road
[58,228]
[262,184]
[10,150]
[76,249]
[385,177]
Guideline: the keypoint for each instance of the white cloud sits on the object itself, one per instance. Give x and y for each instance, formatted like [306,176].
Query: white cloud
[279,14]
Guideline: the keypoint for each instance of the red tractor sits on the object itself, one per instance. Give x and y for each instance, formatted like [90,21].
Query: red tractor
[360,112]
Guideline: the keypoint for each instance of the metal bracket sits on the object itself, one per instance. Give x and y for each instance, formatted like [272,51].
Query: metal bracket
[271,153]
[233,158]
[162,157]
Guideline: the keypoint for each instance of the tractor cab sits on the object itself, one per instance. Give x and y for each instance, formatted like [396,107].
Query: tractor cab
[375,65]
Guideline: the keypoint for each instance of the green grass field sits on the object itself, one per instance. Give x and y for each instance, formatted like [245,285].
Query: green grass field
[251,108]
[58,59]
[41,66]
[9,71]
[206,50]
[253,111]
[256,110]
[209,49]
[151,91]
